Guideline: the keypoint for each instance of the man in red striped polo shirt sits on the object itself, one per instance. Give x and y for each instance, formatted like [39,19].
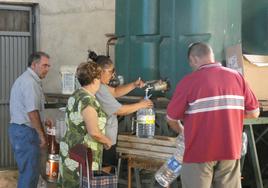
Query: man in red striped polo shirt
[212,102]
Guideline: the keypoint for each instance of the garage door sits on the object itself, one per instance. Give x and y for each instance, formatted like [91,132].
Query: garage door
[16,43]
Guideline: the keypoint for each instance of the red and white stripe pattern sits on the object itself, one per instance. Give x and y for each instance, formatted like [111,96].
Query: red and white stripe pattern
[222,102]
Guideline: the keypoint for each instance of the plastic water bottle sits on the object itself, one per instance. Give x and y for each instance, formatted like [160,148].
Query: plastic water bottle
[172,167]
[60,124]
[244,144]
[145,121]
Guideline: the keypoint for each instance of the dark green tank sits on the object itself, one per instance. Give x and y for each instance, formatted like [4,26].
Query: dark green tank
[154,35]
[255,27]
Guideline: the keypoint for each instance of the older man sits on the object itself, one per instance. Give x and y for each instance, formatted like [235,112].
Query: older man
[26,132]
[212,102]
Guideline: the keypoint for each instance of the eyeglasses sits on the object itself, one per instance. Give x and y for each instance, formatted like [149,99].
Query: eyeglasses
[111,71]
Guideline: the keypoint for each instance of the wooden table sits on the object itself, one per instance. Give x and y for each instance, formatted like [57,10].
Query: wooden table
[144,153]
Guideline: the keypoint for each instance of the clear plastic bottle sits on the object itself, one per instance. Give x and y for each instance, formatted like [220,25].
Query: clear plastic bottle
[60,124]
[145,123]
[172,167]
[244,144]
[145,120]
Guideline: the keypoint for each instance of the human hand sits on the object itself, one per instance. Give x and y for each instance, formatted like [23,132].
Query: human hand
[181,127]
[49,122]
[146,103]
[139,83]
[108,145]
[43,141]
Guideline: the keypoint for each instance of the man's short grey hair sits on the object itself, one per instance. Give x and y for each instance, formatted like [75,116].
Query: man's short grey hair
[199,49]
[36,56]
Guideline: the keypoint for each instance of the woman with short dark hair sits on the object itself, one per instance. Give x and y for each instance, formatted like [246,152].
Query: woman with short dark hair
[85,121]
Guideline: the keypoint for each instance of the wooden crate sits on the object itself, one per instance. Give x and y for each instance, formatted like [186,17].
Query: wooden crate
[160,147]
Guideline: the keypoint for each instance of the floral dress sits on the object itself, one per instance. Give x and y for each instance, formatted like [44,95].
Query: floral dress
[77,134]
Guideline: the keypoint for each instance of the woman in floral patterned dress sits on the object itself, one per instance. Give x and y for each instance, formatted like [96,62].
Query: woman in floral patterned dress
[85,121]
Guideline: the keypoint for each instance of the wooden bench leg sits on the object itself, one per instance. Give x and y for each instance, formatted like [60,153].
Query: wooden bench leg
[129,176]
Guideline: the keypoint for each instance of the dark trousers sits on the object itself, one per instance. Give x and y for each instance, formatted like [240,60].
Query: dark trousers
[25,144]
[110,156]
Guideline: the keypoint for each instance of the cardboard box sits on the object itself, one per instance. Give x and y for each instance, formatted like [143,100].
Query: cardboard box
[253,67]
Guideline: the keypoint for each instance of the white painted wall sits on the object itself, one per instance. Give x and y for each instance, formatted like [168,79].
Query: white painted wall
[68,28]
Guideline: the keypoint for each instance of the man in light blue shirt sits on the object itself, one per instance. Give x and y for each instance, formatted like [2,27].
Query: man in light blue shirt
[26,132]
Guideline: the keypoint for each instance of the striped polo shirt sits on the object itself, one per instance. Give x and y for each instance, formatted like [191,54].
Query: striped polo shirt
[211,102]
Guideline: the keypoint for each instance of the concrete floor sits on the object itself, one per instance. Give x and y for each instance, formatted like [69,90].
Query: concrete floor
[9,178]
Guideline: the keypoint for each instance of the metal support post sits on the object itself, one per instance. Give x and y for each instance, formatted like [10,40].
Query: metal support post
[254,156]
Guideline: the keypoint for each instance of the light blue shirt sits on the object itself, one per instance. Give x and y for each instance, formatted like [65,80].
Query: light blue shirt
[109,105]
[26,96]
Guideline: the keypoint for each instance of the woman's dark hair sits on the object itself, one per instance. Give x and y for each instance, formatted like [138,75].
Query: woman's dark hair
[87,72]
[102,60]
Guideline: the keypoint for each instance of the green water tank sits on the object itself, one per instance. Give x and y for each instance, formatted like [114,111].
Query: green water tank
[154,35]
[255,27]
